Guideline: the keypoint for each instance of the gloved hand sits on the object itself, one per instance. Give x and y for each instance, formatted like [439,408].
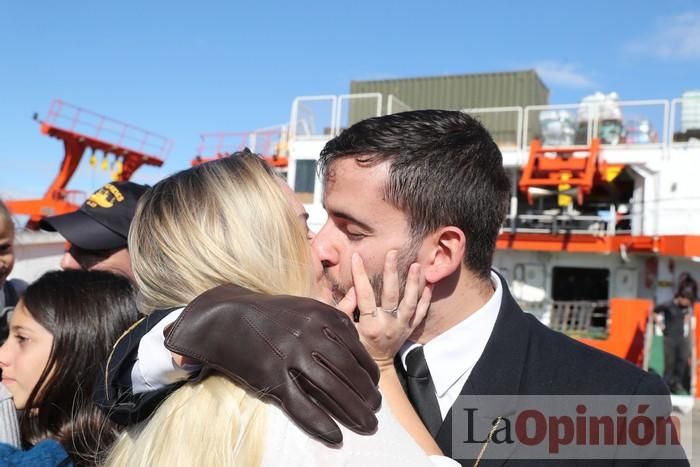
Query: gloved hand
[304,355]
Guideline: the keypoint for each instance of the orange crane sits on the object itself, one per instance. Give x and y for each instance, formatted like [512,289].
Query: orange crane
[80,129]
[270,143]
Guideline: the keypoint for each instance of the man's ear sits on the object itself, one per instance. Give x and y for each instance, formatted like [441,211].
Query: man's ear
[444,251]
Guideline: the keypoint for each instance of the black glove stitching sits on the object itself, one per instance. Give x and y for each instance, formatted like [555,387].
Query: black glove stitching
[264,337]
[268,314]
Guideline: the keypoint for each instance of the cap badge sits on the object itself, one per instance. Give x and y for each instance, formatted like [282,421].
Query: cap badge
[105,197]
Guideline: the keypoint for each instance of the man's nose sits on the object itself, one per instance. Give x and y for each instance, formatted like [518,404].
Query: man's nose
[325,248]
[69,262]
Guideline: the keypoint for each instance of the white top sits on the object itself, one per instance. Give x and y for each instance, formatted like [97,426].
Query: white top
[288,445]
[451,356]
[155,367]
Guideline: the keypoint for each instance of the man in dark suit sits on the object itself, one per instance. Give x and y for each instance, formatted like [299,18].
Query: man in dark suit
[431,184]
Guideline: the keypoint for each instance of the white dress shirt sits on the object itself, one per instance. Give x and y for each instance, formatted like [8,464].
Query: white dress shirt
[451,356]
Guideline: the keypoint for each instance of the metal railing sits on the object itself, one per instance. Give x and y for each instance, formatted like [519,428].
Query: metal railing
[639,123]
[306,122]
[500,115]
[355,107]
[561,223]
[265,141]
[577,318]
[683,139]
[580,318]
[650,219]
[396,105]
[100,127]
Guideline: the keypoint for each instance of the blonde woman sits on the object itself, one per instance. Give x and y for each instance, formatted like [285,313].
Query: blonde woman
[229,222]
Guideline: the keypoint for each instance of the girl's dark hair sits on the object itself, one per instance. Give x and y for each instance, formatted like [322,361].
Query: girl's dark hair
[86,312]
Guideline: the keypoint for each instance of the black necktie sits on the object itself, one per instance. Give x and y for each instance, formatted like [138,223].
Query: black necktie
[421,390]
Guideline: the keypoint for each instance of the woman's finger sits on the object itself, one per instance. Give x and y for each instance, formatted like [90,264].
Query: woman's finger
[363,288]
[422,307]
[348,304]
[407,306]
[390,282]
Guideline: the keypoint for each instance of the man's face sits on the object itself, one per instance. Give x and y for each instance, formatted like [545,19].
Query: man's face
[7,252]
[361,220]
[115,261]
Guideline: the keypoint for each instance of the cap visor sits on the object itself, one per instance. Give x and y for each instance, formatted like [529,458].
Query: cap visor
[84,232]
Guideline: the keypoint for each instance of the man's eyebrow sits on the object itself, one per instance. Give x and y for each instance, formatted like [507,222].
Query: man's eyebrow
[349,218]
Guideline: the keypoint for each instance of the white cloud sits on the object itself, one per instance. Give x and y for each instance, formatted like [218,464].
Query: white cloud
[674,38]
[566,75]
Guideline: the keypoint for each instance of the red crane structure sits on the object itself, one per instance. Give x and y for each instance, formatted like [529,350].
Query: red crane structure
[82,129]
[270,143]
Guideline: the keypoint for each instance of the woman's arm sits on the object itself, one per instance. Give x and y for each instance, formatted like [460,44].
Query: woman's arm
[404,412]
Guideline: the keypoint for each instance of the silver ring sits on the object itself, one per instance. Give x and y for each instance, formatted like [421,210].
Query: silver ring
[393,312]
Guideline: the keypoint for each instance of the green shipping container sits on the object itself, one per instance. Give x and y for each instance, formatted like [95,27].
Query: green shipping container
[457,92]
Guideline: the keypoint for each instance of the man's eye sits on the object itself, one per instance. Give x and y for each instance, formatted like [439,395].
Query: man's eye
[355,236]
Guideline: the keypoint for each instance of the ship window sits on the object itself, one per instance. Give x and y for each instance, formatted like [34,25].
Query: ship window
[305,179]
[579,284]
[580,301]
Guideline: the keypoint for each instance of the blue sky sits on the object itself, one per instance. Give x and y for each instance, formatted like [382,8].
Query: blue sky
[180,68]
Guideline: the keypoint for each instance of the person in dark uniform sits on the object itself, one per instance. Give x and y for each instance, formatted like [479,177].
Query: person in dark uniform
[10,289]
[672,317]
[98,230]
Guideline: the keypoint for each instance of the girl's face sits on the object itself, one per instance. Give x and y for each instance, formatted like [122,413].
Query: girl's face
[24,355]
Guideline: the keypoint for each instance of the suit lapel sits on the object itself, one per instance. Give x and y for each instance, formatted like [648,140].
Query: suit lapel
[497,372]
[400,372]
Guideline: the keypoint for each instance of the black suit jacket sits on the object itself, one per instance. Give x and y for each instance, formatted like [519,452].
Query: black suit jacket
[524,357]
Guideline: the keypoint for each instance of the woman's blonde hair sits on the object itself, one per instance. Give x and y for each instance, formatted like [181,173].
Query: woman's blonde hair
[225,221]
[219,222]
[212,423]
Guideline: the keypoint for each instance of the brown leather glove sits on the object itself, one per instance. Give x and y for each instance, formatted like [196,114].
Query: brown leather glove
[304,355]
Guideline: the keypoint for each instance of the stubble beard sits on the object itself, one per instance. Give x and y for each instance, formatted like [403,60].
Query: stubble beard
[406,257]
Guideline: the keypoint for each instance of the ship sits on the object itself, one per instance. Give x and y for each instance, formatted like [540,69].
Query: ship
[602,223]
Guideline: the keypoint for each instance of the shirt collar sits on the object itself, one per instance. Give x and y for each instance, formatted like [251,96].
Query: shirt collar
[454,352]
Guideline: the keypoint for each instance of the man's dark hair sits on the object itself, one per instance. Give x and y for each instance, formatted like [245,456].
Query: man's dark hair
[445,169]
[85,312]
[686,293]
[687,287]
